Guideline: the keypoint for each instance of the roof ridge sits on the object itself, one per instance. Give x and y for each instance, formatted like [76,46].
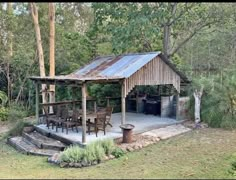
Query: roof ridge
[127,54]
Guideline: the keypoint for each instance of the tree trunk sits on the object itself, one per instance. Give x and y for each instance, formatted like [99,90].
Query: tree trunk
[34,13]
[197,96]
[10,51]
[51,7]
[166,40]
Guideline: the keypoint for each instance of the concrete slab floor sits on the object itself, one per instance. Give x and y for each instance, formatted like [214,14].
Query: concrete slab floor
[141,122]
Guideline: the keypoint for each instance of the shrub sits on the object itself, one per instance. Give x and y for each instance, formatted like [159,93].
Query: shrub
[218,107]
[72,154]
[108,146]
[3,113]
[16,112]
[18,128]
[118,152]
[234,165]
[3,98]
[97,150]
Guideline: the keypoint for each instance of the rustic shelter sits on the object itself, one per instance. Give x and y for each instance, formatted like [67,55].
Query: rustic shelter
[151,68]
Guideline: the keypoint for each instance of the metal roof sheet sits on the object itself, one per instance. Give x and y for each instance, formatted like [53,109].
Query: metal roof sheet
[113,68]
[110,67]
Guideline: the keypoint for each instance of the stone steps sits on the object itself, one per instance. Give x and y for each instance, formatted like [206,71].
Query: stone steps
[26,147]
[44,142]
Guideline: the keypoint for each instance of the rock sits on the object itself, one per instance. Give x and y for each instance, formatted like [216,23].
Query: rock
[94,163]
[123,148]
[50,159]
[77,165]
[135,147]
[28,129]
[140,146]
[54,158]
[84,164]
[106,158]
[64,164]
[130,149]
[111,156]
[71,164]
[204,125]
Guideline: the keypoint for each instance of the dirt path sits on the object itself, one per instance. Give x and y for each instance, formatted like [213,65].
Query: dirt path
[4,127]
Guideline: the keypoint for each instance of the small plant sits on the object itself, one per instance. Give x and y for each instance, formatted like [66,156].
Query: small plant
[89,154]
[93,153]
[108,146]
[72,154]
[118,152]
[18,128]
[16,112]
[3,98]
[234,165]
[98,150]
[3,113]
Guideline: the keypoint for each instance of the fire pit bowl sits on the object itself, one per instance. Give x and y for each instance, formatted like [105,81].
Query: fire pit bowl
[127,132]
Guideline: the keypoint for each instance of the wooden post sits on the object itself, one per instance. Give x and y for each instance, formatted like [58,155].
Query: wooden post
[95,106]
[37,102]
[84,112]
[51,13]
[123,89]
[108,101]
[177,106]
[137,102]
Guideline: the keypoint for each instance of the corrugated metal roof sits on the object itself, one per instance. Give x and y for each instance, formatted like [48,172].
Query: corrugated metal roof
[113,68]
[110,67]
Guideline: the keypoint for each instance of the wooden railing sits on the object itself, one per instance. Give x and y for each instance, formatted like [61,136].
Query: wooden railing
[75,102]
[65,102]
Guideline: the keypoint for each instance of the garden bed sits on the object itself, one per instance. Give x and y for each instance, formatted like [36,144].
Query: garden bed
[104,150]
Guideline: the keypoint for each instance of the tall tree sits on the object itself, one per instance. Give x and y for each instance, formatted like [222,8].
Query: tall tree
[51,8]
[147,24]
[34,13]
[10,50]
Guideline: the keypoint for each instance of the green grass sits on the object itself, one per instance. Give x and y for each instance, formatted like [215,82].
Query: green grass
[205,153]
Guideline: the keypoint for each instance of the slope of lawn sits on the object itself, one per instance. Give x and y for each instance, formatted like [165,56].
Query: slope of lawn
[204,153]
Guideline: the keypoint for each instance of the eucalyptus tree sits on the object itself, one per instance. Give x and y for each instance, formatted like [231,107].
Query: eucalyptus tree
[153,26]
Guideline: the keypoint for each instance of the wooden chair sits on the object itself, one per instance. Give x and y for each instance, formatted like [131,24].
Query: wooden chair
[109,111]
[99,123]
[53,119]
[72,122]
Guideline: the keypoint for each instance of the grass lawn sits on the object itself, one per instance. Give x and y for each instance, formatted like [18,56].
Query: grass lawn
[205,153]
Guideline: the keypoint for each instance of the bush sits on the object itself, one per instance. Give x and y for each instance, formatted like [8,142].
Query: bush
[93,152]
[3,98]
[3,113]
[18,128]
[97,149]
[108,146]
[16,112]
[218,105]
[118,152]
[72,154]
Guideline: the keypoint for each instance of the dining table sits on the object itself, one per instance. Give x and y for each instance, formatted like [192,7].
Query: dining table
[90,115]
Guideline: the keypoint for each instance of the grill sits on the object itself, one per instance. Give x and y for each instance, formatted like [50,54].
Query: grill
[152,105]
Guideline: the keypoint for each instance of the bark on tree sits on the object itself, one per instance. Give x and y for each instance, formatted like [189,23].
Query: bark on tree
[197,97]
[51,13]
[25,78]
[10,52]
[34,13]
[167,26]
[166,40]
